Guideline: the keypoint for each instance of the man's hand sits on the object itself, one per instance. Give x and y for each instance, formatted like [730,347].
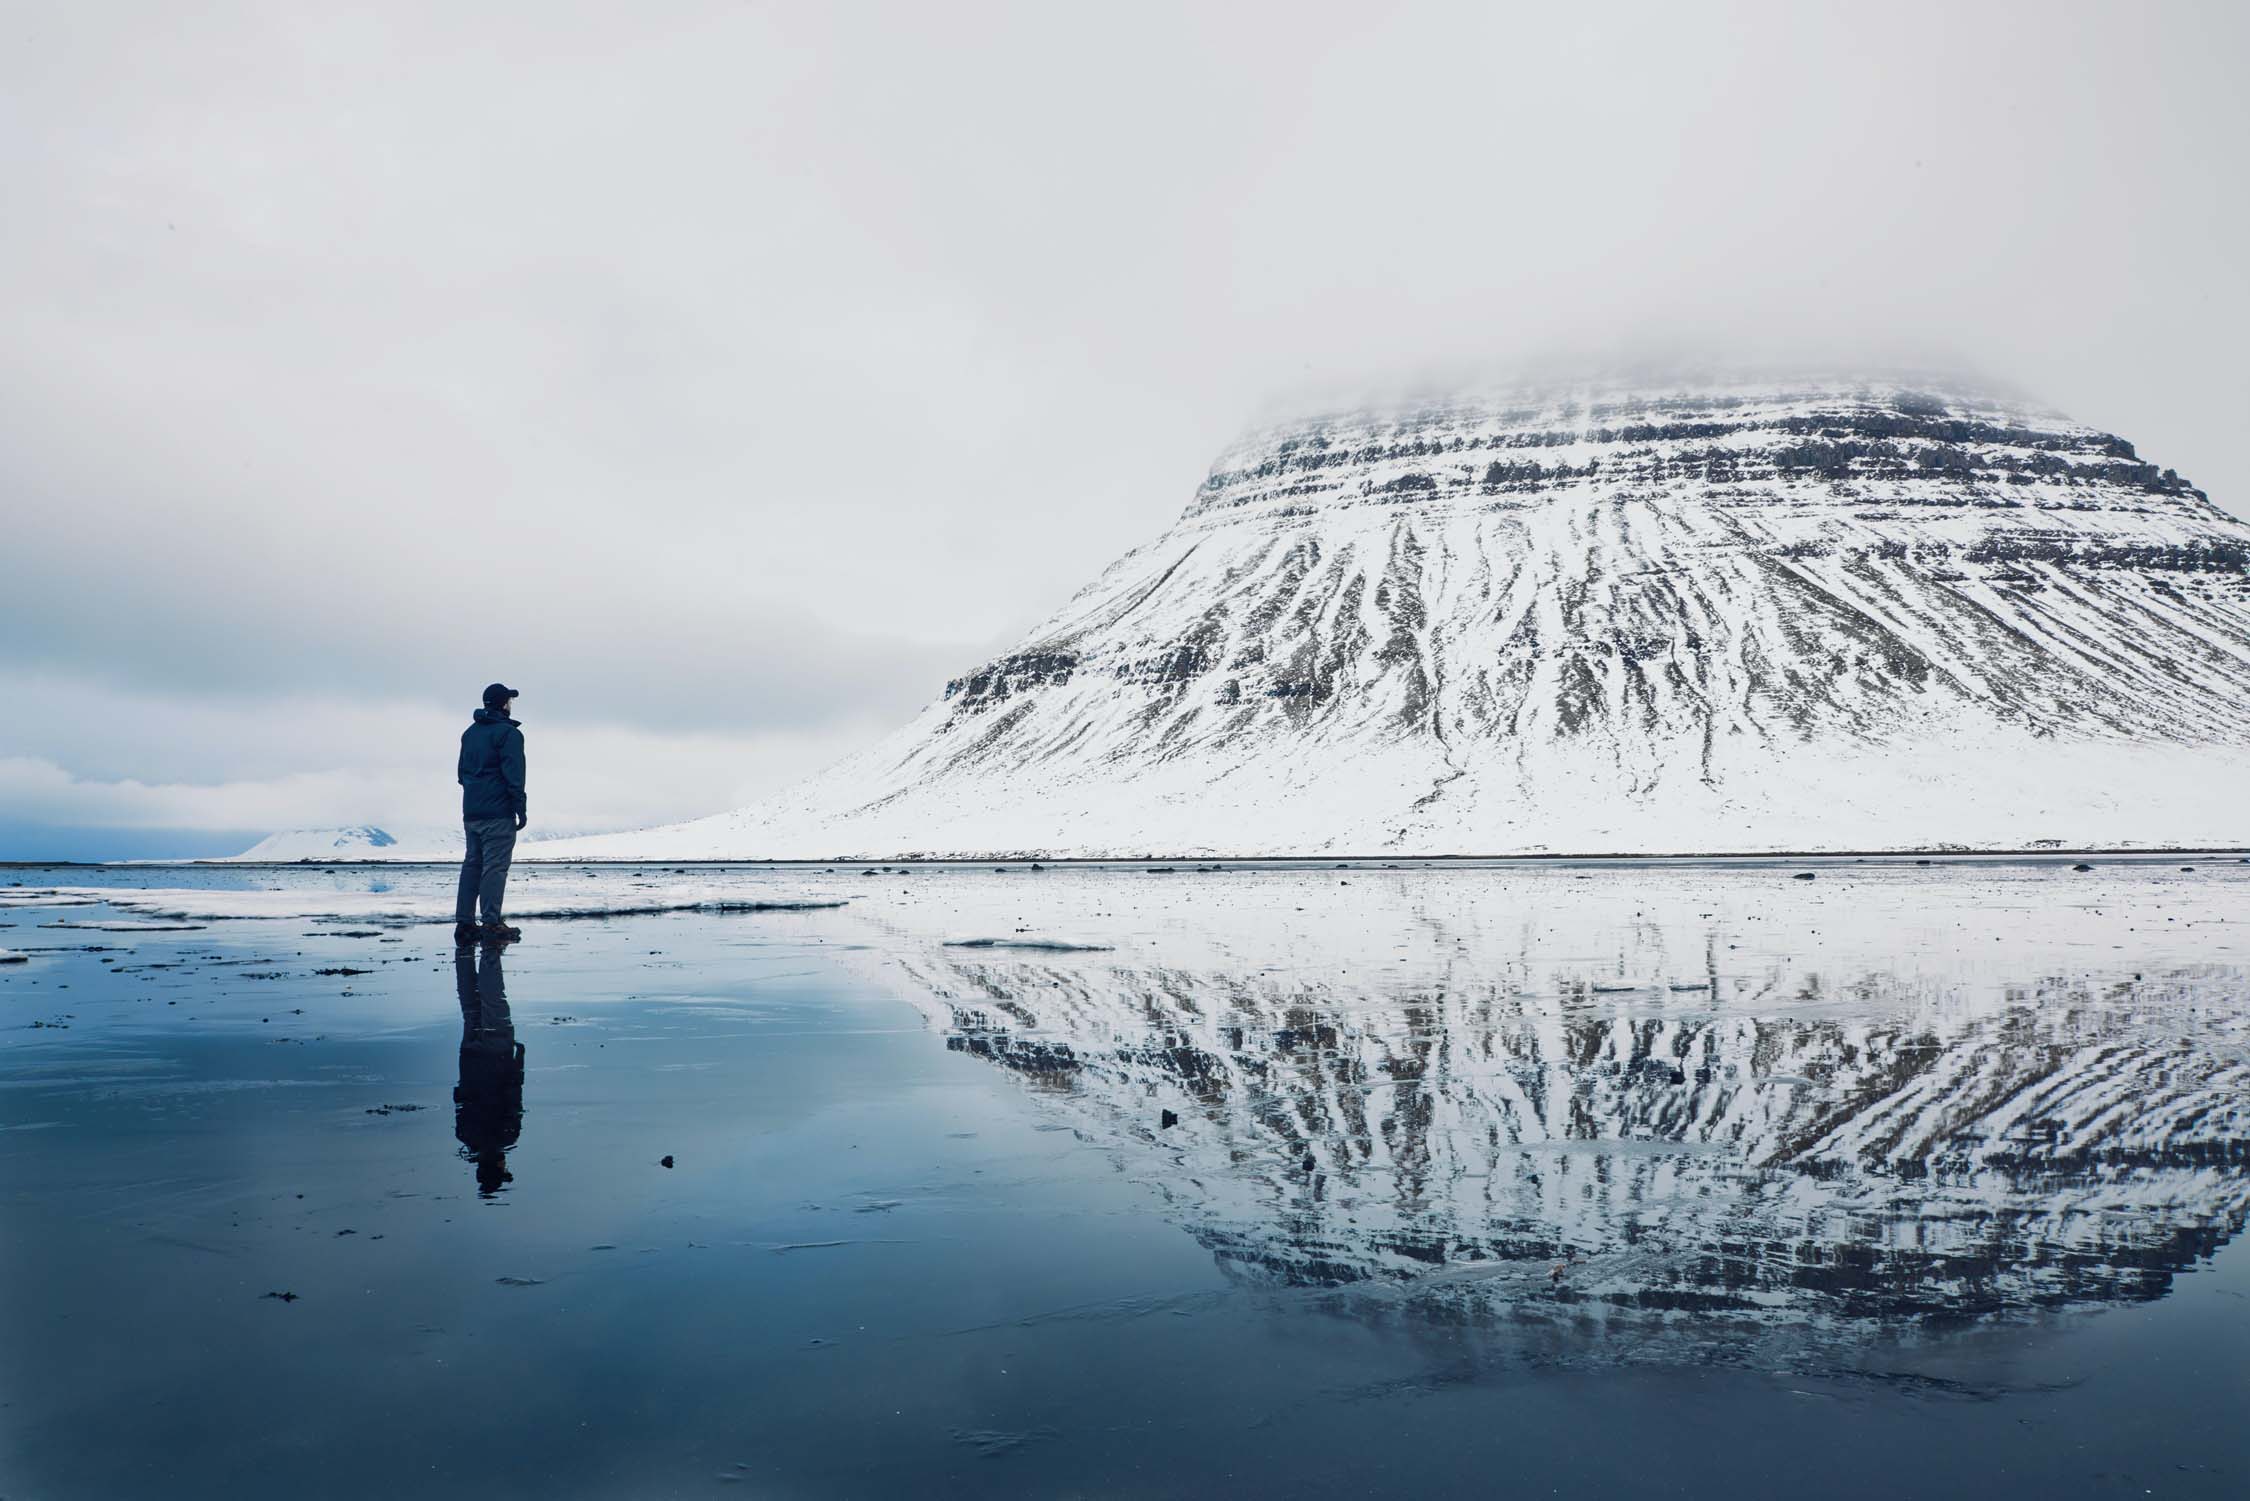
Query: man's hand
[521,820]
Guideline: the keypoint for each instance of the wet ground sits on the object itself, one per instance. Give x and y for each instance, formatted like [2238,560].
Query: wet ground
[1665,1180]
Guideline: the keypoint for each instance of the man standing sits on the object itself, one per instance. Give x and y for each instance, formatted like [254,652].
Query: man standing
[492,811]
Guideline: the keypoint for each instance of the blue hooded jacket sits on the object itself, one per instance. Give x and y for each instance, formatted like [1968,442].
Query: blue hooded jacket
[491,771]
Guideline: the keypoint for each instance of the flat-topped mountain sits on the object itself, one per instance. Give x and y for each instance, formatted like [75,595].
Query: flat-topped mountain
[1721,615]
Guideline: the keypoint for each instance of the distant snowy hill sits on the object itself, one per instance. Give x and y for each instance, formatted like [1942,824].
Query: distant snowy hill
[1721,615]
[359,842]
[367,842]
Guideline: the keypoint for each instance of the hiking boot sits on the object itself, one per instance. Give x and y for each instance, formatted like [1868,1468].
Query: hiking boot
[499,932]
[464,933]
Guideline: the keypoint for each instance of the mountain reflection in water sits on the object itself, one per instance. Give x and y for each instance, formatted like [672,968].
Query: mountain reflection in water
[1692,1157]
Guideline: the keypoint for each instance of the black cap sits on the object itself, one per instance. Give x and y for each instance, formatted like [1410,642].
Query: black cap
[498,693]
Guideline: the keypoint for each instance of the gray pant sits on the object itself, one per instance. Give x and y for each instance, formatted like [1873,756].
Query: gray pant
[484,868]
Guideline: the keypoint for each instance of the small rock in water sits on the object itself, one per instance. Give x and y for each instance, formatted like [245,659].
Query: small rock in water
[664,1162]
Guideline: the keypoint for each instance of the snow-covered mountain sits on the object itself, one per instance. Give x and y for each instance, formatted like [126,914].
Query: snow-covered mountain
[403,843]
[1711,615]
[358,842]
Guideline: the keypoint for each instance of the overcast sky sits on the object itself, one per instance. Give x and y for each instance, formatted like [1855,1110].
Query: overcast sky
[728,376]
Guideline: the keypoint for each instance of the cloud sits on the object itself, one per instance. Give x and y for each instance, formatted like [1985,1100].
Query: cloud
[30,784]
[734,375]
[88,757]
[604,779]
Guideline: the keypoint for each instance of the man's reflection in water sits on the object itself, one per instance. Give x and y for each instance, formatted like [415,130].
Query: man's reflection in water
[488,1102]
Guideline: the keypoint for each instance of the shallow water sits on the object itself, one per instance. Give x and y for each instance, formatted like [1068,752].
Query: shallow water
[1673,1179]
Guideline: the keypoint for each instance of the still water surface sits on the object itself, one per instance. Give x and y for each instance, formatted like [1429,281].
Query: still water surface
[1663,1180]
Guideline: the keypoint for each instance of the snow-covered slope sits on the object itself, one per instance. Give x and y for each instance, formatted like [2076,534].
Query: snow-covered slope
[1707,616]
